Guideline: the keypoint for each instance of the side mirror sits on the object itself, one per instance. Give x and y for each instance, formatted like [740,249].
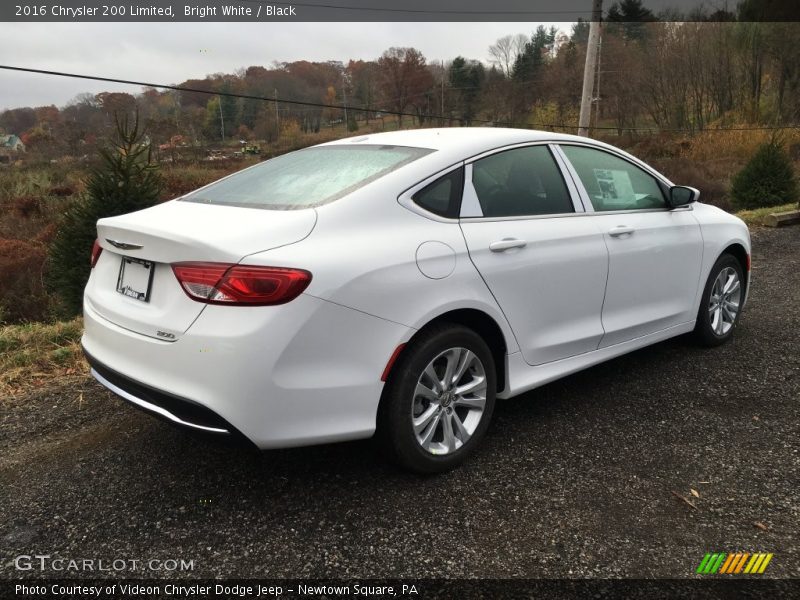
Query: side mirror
[682,195]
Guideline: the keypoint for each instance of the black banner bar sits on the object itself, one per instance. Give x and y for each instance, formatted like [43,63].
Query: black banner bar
[722,588]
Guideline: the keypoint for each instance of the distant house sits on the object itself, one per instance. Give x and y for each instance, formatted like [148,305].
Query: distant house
[10,143]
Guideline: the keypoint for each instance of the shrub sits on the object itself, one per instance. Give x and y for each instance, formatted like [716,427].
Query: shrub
[23,295]
[124,181]
[767,180]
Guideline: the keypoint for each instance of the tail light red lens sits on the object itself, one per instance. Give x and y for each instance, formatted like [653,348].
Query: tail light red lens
[240,285]
[97,249]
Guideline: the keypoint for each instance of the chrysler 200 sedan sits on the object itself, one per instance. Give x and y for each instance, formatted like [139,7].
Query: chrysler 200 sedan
[397,284]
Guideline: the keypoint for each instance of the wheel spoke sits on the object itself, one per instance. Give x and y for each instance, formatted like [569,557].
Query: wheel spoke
[433,378]
[424,391]
[449,435]
[453,358]
[720,321]
[731,284]
[463,364]
[728,313]
[478,384]
[426,436]
[460,431]
[428,415]
[471,403]
[716,322]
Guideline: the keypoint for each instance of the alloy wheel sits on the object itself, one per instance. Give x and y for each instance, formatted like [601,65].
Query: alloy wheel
[449,401]
[724,302]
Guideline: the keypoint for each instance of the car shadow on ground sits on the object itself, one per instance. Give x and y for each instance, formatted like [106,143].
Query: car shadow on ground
[597,388]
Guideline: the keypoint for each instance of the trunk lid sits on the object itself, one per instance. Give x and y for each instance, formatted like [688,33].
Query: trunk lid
[176,232]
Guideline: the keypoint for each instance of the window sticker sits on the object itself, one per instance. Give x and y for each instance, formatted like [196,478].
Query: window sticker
[614,185]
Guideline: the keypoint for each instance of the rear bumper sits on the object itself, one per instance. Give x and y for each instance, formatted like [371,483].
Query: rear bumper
[307,372]
[174,409]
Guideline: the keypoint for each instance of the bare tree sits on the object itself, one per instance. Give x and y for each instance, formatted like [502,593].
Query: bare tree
[504,51]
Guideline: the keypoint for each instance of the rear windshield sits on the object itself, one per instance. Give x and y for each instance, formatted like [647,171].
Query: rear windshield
[307,177]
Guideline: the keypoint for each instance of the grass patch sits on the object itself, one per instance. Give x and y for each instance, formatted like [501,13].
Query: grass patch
[32,353]
[756,216]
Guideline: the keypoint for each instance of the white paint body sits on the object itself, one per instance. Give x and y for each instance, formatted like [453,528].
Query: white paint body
[309,371]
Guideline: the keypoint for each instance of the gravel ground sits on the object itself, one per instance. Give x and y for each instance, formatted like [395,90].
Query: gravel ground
[576,479]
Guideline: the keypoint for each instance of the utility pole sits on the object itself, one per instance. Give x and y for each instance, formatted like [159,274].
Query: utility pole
[344,96]
[443,73]
[221,120]
[277,116]
[589,68]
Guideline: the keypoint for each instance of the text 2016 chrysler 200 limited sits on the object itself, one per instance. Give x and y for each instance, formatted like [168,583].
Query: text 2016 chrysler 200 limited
[396,284]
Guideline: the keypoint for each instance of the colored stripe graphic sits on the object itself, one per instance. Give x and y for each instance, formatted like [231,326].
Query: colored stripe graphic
[727,564]
[703,563]
[710,563]
[734,563]
[741,562]
[765,563]
[717,564]
[752,562]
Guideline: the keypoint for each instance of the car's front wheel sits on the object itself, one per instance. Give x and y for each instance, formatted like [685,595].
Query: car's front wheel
[721,304]
[438,399]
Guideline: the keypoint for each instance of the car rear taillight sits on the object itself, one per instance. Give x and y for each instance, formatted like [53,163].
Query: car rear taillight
[97,249]
[221,283]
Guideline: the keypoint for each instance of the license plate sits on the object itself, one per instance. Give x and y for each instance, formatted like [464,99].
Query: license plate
[135,278]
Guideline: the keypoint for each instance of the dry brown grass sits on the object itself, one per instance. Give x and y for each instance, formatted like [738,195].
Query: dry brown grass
[33,354]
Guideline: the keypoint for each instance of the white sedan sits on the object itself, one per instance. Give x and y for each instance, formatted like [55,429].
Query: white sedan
[397,284]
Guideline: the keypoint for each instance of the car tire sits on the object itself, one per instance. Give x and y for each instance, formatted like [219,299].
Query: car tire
[424,425]
[721,303]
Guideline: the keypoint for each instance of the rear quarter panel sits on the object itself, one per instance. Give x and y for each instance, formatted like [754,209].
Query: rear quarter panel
[363,255]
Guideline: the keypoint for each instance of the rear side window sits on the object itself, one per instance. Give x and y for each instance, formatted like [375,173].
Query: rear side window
[443,196]
[307,178]
[520,182]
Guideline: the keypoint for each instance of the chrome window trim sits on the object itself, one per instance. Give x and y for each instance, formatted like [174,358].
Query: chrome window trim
[527,217]
[406,199]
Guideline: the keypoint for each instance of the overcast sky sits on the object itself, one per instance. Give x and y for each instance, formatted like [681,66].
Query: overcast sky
[172,53]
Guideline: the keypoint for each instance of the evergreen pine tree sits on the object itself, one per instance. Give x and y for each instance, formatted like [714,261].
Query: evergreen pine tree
[125,180]
[767,180]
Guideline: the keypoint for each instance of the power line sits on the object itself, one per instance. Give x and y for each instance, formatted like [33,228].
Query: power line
[372,109]
[213,93]
[422,11]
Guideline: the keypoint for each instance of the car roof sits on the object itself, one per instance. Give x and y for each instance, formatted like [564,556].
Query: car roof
[456,144]
[468,140]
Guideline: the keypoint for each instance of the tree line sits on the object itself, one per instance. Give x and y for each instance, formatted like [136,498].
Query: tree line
[655,71]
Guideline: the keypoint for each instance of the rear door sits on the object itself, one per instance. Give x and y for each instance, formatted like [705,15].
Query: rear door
[541,256]
[655,254]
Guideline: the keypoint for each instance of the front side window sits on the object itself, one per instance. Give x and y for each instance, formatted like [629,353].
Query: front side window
[613,183]
[307,178]
[520,182]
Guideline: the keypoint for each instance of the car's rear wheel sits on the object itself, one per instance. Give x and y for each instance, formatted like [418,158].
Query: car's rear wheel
[721,304]
[438,399]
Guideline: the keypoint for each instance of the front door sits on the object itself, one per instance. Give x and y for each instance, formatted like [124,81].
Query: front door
[655,253]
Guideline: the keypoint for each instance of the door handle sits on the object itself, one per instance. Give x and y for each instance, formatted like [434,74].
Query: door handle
[507,244]
[620,230]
